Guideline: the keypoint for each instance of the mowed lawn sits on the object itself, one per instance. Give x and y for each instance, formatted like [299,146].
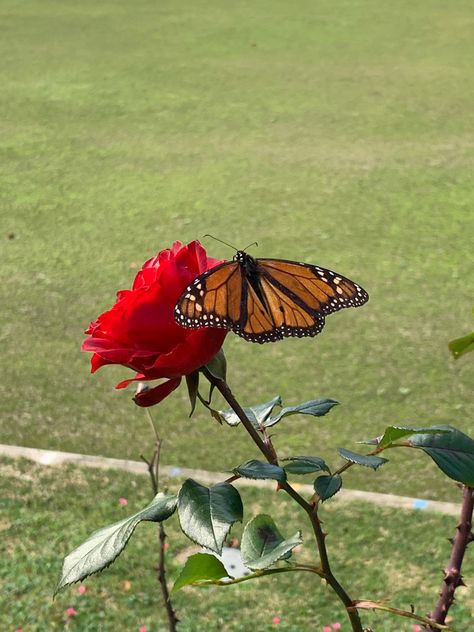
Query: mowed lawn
[334,133]
[377,553]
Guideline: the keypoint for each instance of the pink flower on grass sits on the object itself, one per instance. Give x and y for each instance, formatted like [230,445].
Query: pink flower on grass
[123,501]
[70,612]
[276,620]
[336,626]
[82,589]
[327,628]
[143,628]
[19,630]
[416,628]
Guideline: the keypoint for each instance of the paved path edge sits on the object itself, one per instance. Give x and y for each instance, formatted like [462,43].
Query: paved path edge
[55,458]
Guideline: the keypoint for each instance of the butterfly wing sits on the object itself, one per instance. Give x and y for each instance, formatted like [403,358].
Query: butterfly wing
[287,298]
[279,299]
[224,297]
[313,288]
[269,314]
[214,299]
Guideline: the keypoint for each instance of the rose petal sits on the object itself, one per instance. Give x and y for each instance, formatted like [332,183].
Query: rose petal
[156,394]
[189,355]
[140,332]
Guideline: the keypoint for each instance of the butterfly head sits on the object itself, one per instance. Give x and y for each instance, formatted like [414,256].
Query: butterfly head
[247,262]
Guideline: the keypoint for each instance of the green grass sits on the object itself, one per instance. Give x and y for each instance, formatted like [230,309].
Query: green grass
[377,553]
[334,133]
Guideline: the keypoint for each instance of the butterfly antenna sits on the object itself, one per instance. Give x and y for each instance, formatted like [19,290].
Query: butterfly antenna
[254,243]
[222,242]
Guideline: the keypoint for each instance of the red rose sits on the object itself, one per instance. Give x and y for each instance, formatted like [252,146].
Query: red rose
[140,331]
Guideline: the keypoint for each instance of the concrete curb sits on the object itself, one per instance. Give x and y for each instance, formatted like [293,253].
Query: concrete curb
[55,458]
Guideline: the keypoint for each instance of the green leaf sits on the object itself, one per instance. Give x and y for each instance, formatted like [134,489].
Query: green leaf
[362,459]
[218,367]
[463,345]
[305,465]
[260,470]
[327,486]
[230,417]
[262,411]
[206,514]
[105,545]
[395,433]
[314,407]
[256,414]
[192,382]
[199,568]
[259,415]
[452,451]
[263,545]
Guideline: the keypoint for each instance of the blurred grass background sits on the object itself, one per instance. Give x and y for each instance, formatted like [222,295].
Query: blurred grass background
[339,134]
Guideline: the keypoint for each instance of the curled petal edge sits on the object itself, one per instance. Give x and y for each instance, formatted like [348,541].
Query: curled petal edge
[149,397]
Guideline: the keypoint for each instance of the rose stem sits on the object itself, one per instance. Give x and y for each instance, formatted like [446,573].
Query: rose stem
[154,471]
[311,511]
[452,574]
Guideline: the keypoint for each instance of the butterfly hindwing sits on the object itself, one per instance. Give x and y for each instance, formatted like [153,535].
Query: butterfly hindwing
[279,316]
[257,321]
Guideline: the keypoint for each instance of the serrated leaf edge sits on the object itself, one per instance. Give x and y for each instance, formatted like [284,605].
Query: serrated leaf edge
[129,523]
[218,549]
[258,478]
[368,456]
[333,494]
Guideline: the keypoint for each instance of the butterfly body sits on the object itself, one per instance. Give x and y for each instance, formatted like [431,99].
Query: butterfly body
[249,267]
[265,300]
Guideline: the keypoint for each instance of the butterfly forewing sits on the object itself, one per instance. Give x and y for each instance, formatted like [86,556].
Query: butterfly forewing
[317,288]
[212,300]
[264,300]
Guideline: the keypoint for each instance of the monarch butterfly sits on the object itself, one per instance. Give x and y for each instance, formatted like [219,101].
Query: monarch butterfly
[265,300]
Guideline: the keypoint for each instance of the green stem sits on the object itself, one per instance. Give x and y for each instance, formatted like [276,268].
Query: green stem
[234,404]
[372,605]
[270,571]
[154,471]
[452,574]
[328,574]
[311,511]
